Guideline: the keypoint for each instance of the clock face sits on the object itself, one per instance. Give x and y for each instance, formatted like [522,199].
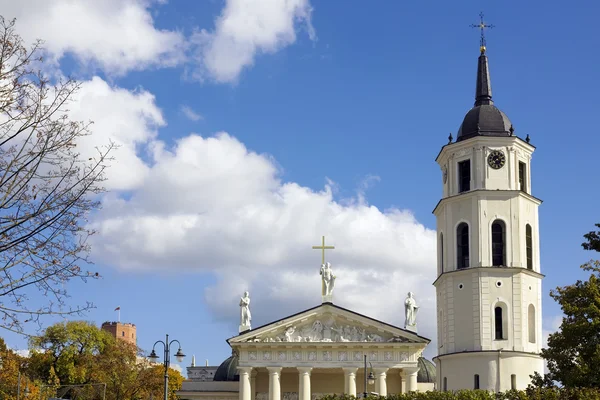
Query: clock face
[496,159]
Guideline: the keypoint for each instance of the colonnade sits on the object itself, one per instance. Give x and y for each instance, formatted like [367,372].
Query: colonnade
[248,391]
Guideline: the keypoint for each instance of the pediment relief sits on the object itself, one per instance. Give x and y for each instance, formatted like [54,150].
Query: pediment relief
[326,328]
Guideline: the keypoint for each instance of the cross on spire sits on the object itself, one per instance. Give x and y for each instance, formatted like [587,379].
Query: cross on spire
[322,247]
[482,25]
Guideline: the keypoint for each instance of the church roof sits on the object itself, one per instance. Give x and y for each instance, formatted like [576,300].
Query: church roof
[398,334]
[484,119]
[227,371]
[427,371]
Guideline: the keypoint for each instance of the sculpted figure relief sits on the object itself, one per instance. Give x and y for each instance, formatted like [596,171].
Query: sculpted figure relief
[322,331]
[327,279]
[410,308]
[245,316]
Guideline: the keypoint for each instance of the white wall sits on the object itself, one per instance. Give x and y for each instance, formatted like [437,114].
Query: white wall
[460,369]
[467,298]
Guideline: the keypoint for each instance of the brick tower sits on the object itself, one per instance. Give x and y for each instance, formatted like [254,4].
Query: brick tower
[122,331]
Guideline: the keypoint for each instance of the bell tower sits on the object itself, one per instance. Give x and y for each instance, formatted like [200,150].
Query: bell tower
[489,285]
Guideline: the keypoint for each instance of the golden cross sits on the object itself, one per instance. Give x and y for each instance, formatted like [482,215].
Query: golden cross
[322,247]
[482,25]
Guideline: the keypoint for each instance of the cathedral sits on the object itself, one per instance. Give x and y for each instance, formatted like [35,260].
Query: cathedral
[488,292]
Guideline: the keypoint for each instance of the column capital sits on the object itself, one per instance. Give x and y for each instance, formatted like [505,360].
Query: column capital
[409,371]
[274,370]
[304,370]
[350,370]
[245,370]
[380,370]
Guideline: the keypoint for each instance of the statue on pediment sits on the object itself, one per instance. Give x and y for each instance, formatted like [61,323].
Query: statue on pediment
[327,281]
[245,315]
[410,309]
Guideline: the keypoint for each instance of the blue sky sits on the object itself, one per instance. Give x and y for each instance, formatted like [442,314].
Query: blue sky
[335,114]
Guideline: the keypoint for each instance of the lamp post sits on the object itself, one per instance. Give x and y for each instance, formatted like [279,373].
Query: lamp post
[370,379]
[179,356]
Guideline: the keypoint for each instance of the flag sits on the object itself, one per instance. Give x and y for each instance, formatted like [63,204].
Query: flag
[118,308]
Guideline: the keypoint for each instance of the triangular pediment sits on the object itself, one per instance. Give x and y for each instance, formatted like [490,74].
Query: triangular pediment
[328,323]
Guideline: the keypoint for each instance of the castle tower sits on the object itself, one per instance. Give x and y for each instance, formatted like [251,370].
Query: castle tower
[489,283]
[121,331]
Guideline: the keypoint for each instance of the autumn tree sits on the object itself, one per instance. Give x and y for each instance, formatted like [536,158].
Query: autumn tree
[67,353]
[80,353]
[47,187]
[573,352]
[13,368]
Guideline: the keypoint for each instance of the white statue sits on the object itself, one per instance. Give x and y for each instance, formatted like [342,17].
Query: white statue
[327,282]
[245,316]
[410,308]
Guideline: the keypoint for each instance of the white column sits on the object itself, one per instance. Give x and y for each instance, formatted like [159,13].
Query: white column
[409,375]
[253,385]
[350,379]
[245,386]
[381,380]
[274,384]
[304,392]
[402,382]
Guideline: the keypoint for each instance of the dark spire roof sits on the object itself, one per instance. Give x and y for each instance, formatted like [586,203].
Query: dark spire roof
[484,119]
[483,91]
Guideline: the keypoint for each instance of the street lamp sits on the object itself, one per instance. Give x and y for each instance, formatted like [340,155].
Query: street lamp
[179,356]
[370,379]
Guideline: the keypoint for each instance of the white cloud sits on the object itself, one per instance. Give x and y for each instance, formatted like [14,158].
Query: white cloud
[245,29]
[128,118]
[234,217]
[550,326]
[191,114]
[115,35]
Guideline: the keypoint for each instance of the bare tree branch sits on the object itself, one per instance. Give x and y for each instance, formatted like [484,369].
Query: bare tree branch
[47,189]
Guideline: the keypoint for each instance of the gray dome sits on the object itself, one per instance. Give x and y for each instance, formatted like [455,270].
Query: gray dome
[484,120]
[427,371]
[227,371]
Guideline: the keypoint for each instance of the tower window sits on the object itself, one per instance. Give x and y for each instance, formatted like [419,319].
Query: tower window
[462,246]
[441,252]
[498,322]
[464,176]
[476,382]
[513,382]
[445,384]
[529,246]
[531,322]
[123,333]
[522,176]
[498,243]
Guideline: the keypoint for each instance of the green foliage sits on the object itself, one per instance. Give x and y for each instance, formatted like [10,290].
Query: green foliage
[592,240]
[66,353]
[529,394]
[573,352]
[79,353]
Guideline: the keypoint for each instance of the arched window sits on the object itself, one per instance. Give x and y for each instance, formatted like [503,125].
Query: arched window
[529,246]
[531,322]
[462,246]
[123,333]
[441,252]
[498,243]
[513,382]
[498,323]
